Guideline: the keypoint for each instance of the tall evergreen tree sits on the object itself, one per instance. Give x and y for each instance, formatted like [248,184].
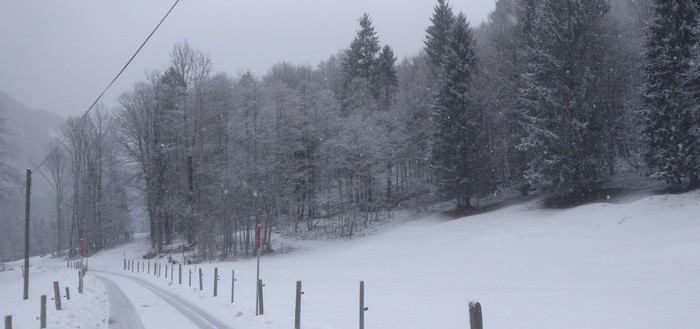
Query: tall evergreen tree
[438,34]
[359,68]
[385,80]
[560,95]
[672,147]
[457,160]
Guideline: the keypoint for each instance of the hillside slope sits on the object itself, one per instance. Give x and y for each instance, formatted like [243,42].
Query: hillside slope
[604,265]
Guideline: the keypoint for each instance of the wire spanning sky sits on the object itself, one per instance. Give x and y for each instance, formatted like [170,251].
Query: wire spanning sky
[59,55]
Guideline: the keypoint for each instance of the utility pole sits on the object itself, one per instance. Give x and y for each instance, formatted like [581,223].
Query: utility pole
[257,276]
[26,234]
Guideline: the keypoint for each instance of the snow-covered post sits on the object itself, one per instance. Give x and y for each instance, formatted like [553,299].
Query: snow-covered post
[261,309]
[172,269]
[297,308]
[216,279]
[80,281]
[148,269]
[57,295]
[233,283]
[190,277]
[257,276]
[363,308]
[42,316]
[166,270]
[8,321]
[475,320]
[138,267]
[201,287]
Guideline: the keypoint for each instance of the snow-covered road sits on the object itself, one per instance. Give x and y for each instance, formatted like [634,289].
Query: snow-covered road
[122,313]
[152,303]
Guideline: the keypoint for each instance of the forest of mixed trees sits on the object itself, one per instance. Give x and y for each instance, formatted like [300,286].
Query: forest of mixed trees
[547,96]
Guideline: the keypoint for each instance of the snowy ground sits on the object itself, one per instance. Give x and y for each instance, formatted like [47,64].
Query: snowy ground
[605,265]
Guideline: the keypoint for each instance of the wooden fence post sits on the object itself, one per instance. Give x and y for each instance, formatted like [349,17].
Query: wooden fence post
[260,297]
[57,295]
[201,287]
[42,318]
[233,283]
[297,308]
[67,294]
[80,281]
[190,277]
[475,319]
[172,269]
[8,321]
[216,279]
[166,271]
[149,267]
[363,308]
[132,265]
[179,271]
[138,267]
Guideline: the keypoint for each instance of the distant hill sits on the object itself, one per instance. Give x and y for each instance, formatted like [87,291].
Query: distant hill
[29,131]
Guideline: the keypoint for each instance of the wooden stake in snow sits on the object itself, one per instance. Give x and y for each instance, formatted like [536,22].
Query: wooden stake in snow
[258,293]
[57,295]
[233,283]
[42,315]
[216,279]
[297,308]
[475,320]
[67,293]
[363,308]
[179,271]
[8,321]
[201,287]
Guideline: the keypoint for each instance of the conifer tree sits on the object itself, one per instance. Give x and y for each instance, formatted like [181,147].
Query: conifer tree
[438,34]
[385,80]
[359,68]
[560,95]
[669,124]
[457,144]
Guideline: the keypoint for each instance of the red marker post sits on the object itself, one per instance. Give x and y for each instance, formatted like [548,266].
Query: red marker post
[257,278]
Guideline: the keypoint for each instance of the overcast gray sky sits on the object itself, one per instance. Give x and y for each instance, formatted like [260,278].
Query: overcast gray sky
[59,55]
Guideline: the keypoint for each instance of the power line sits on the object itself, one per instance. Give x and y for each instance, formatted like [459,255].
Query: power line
[105,90]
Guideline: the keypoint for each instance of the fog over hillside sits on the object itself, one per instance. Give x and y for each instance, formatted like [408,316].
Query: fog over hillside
[24,134]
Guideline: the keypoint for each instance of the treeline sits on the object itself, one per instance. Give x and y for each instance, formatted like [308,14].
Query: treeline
[90,184]
[548,95]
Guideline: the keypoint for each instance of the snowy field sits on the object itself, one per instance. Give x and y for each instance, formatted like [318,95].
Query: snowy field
[629,265]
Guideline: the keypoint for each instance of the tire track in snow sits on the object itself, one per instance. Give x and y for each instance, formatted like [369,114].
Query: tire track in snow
[122,313]
[192,312]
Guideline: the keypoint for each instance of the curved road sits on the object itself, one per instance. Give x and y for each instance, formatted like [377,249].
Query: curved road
[123,314]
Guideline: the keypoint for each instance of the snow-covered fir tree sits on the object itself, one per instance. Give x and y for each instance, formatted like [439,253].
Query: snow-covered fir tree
[458,136]
[668,111]
[560,95]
